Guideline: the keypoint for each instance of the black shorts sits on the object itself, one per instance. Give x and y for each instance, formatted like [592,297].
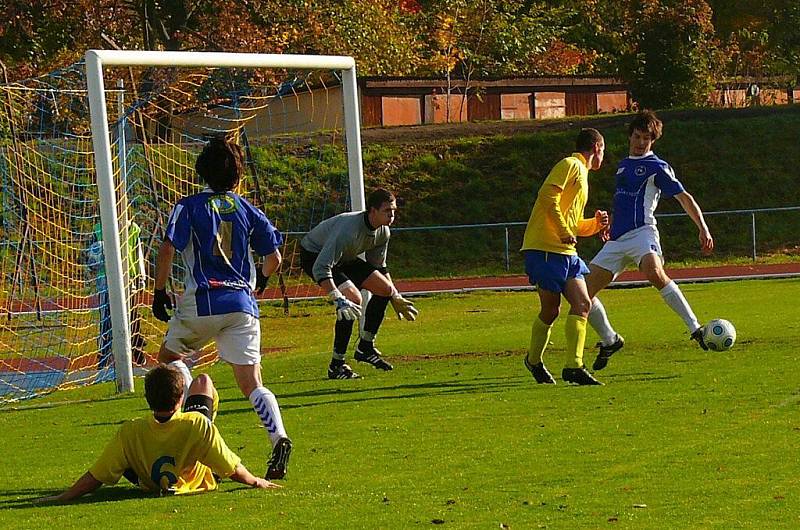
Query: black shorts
[356,271]
[200,403]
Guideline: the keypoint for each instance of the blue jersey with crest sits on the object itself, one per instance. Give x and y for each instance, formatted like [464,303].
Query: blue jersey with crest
[641,180]
[215,233]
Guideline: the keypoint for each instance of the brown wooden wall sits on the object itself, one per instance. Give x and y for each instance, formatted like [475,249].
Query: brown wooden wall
[581,103]
[371,111]
[488,109]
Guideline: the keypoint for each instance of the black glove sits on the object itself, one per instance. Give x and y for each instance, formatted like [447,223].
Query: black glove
[261,281]
[161,302]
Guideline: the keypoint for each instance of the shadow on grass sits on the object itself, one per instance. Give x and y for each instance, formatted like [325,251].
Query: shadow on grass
[642,376]
[113,494]
[354,395]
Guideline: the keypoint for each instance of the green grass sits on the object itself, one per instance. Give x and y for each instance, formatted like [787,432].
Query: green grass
[458,436]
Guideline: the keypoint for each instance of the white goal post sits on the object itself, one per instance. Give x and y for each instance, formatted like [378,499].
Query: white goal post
[96,60]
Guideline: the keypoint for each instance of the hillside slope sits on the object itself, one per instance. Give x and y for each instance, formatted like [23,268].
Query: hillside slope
[490,172]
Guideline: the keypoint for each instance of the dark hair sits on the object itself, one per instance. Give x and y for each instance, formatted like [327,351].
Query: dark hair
[163,388]
[378,197]
[587,139]
[221,164]
[646,121]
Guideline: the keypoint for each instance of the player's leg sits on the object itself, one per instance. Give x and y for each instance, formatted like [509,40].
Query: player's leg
[105,338]
[575,328]
[549,304]
[381,288]
[167,356]
[652,265]
[610,340]
[203,397]
[137,339]
[342,332]
[544,270]
[239,344]
[343,329]
[184,336]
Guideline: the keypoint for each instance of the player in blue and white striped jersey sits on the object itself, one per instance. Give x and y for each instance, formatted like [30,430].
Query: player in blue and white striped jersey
[214,231]
[642,179]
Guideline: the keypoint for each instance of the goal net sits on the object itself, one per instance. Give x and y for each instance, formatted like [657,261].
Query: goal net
[91,166]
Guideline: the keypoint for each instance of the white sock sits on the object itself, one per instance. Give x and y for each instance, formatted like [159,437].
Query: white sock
[266,406]
[674,298]
[187,376]
[598,319]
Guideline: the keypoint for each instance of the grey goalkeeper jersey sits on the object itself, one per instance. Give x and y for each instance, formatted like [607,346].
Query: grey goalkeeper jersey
[342,238]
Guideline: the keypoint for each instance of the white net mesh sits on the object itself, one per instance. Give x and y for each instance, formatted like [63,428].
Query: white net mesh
[55,326]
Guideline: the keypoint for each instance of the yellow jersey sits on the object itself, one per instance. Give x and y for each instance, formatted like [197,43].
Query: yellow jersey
[558,210]
[178,455]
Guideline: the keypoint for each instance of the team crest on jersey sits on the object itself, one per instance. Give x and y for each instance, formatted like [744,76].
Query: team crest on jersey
[640,170]
[222,203]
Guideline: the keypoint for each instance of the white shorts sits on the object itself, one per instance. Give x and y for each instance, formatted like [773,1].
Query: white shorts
[237,335]
[629,248]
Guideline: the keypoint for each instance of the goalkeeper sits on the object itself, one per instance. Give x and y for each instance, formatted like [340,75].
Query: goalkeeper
[172,451]
[330,255]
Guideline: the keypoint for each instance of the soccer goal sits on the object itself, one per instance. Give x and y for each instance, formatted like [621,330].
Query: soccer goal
[92,158]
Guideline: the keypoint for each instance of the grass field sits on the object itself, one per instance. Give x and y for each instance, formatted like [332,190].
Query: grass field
[458,435]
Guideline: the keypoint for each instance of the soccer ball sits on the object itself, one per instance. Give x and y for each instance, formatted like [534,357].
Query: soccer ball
[719,335]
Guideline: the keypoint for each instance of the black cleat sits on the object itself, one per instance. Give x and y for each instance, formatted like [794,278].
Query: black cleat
[539,372]
[341,371]
[279,461]
[370,355]
[579,376]
[606,352]
[698,336]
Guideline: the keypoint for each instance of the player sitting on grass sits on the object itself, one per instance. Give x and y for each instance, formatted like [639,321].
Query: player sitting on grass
[553,265]
[169,452]
[214,230]
[330,255]
[642,179]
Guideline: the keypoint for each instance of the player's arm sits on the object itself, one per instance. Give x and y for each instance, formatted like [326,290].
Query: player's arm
[271,263]
[402,306]
[86,484]
[550,195]
[161,300]
[331,253]
[591,226]
[691,207]
[243,476]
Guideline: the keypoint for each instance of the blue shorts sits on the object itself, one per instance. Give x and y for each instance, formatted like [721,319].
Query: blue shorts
[550,271]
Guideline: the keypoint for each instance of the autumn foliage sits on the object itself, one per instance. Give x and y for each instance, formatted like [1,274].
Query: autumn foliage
[671,52]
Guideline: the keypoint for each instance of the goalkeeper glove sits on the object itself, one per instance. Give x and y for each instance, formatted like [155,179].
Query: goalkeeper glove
[404,308]
[161,302]
[261,281]
[345,309]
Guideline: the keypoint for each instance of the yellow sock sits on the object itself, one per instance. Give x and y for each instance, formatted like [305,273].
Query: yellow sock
[576,338]
[540,334]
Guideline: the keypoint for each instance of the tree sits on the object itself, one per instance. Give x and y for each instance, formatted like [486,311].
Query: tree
[670,61]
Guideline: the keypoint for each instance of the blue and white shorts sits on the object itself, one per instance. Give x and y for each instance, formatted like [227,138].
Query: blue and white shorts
[629,248]
[550,271]
[237,336]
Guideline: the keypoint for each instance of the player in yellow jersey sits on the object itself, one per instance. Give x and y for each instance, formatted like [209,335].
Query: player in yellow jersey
[172,451]
[551,262]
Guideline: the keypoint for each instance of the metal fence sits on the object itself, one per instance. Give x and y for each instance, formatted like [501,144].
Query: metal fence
[505,226]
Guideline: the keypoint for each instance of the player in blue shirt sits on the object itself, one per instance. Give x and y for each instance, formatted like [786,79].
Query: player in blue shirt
[642,179]
[214,231]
